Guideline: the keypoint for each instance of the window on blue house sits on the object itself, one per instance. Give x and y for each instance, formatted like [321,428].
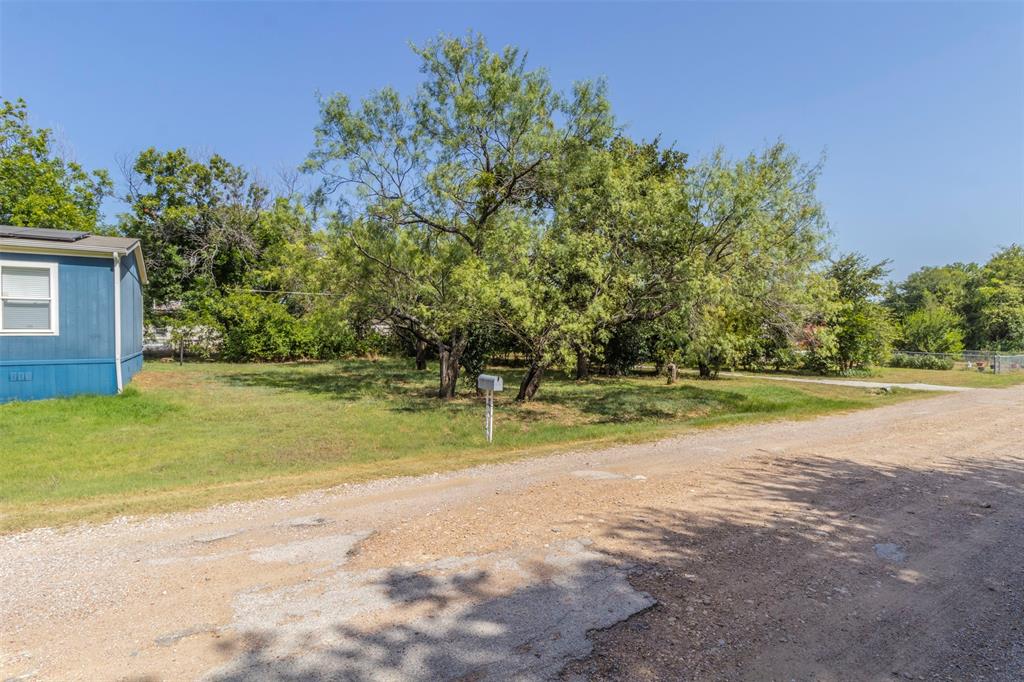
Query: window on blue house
[28,298]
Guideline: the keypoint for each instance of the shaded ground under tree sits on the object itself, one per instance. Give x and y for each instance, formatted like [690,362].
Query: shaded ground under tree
[806,568]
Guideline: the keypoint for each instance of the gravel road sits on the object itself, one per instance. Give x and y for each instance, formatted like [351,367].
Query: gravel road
[875,545]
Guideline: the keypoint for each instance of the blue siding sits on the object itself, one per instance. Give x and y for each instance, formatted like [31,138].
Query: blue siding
[131,308]
[86,312]
[130,366]
[80,359]
[50,380]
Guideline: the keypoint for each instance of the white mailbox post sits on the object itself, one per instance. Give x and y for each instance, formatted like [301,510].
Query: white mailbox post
[488,383]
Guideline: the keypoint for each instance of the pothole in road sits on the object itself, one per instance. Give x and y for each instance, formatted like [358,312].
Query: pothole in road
[890,552]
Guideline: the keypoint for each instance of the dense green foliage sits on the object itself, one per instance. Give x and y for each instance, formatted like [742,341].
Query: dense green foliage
[486,214]
[932,329]
[952,307]
[39,187]
[197,220]
[225,261]
[911,361]
[442,191]
[857,331]
[995,308]
[257,328]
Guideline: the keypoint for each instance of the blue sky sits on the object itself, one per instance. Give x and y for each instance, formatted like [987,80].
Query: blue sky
[919,106]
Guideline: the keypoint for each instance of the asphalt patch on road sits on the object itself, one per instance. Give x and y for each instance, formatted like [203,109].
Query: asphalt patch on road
[500,616]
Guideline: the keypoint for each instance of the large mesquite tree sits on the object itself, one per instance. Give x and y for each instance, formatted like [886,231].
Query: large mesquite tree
[435,189]
[756,230]
[611,254]
[724,250]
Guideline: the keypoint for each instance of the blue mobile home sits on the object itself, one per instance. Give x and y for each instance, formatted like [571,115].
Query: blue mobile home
[70,313]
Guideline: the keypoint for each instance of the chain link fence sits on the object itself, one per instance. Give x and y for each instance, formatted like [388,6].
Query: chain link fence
[980,360]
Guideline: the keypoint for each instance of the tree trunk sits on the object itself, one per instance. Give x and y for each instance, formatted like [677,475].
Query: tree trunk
[531,382]
[704,370]
[582,365]
[421,355]
[672,373]
[449,356]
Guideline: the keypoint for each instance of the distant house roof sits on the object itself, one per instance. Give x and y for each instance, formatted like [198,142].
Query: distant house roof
[42,239]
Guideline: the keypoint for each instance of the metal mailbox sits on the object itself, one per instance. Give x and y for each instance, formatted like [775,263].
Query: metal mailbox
[489,382]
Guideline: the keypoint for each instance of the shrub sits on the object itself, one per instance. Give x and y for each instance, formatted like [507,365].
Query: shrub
[767,351]
[334,336]
[482,344]
[910,361]
[819,345]
[933,329]
[257,328]
[712,352]
[629,345]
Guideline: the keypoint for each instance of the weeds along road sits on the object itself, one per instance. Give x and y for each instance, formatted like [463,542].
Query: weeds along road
[882,544]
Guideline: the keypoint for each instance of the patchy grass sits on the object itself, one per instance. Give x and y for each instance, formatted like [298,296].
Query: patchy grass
[182,437]
[947,377]
[961,376]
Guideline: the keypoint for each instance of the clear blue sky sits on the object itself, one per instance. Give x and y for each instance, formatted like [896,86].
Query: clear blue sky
[919,106]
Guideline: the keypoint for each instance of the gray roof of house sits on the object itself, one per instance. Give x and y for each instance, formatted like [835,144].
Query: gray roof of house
[41,239]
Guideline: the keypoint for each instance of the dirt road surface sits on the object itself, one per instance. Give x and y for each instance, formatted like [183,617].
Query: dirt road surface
[877,545]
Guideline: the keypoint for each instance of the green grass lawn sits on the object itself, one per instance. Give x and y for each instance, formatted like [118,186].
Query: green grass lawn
[948,377]
[186,436]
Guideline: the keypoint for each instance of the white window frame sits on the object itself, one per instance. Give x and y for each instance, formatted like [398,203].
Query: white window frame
[54,329]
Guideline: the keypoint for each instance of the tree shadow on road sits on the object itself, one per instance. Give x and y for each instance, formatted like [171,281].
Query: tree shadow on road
[823,568]
[460,626]
[771,570]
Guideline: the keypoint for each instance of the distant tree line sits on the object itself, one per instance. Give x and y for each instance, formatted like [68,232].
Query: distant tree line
[949,308]
[489,215]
